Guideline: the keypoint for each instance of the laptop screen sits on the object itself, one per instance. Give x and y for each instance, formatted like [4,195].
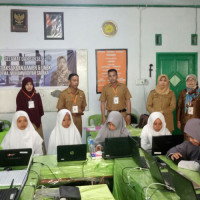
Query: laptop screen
[161,144]
[75,152]
[15,157]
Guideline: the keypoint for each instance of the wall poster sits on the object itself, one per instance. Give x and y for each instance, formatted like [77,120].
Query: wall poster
[110,59]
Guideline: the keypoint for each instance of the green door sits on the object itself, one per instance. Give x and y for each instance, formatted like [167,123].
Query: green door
[177,66]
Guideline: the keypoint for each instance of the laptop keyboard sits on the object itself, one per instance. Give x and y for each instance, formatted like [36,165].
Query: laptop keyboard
[198,196]
[6,177]
[143,162]
[167,178]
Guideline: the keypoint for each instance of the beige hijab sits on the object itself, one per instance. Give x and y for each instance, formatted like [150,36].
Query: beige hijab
[165,90]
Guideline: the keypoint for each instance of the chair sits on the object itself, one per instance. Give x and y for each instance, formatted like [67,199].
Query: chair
[6,122]
[94,120]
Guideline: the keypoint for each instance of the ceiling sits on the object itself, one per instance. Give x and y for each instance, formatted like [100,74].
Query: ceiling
[103,2]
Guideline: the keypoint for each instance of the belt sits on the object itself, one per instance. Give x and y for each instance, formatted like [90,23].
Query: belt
[123,110]
[77,114]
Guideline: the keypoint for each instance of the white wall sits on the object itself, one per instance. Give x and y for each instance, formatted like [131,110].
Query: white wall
[82,29]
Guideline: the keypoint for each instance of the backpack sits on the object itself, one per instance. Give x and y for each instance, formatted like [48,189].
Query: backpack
[142,121]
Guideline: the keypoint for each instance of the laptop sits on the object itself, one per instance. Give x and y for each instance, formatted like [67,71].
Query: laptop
[161,144]
[15,157]
[139,160]
[15,193]
[75,152]
[184,187]
[118,147]
[161,177]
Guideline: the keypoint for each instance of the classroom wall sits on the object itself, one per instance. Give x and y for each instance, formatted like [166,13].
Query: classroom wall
[82,29]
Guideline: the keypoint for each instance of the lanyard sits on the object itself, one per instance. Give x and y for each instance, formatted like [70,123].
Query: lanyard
[115,91]
[75,98]
[28,95]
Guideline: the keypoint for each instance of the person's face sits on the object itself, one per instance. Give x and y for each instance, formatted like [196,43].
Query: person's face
[111,126]
[66,121]
[191,83]
[162,82]
[74,82]
[62,63]
[29,86]
[22,123]
[112,77]
[157,125]
[193,141]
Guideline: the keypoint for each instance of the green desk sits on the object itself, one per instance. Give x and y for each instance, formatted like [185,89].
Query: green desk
[95,192]
[130,184]
[68,171]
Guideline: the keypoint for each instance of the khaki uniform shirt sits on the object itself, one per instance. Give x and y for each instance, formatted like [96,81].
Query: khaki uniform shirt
[108,94]
[166,103]
[66,100]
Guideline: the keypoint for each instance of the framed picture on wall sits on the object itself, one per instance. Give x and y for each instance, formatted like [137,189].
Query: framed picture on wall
[19,20]
[53,26]
[110,59]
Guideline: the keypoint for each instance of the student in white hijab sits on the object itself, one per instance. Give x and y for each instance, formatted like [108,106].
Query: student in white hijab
[156,126]
[113,127]
[22,135]
[64,133]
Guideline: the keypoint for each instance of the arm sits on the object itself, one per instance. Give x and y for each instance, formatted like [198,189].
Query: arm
[40,105]
[61,101]
[172,105]
[84,104]
[145,143]
[103,107]
[179,111]
[19,104]
[149,104]
[128,117]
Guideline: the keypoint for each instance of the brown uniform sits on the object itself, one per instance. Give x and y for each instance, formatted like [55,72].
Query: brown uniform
[166,103]
[67,99]
[109,93]
[181,115]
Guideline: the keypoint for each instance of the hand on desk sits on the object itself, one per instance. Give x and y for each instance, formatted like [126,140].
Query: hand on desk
[98,148]
[176,156]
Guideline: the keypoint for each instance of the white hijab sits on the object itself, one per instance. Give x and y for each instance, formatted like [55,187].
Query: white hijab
[148,131]
[61,135]
[27,138]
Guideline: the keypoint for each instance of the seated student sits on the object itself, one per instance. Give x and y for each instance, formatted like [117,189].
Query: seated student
[189,150]
[113,127]
[64,133]
[156,126]
[22,135]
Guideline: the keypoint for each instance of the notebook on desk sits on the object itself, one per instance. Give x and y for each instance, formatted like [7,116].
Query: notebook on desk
[77,152]
[161,144]
[14,193]
[118,147]
[15,157]
[183,186]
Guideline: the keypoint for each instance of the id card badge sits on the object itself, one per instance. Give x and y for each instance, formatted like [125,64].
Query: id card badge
[190,110]
[116,100]
[74,109]
[31,104]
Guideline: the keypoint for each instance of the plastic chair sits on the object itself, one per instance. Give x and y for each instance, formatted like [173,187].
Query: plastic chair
[94,120]
[6,122]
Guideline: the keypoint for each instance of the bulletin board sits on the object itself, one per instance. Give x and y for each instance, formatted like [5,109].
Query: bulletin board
[110,59]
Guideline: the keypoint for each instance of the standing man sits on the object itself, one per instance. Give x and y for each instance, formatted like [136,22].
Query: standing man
[74,100]
[115,96]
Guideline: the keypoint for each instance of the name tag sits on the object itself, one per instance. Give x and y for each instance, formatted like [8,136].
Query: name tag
[190,110]
[116,100]
[31,104]
[74,109]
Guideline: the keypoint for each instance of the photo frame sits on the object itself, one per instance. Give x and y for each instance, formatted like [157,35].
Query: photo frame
[110,59]
[19,20]
[53,26]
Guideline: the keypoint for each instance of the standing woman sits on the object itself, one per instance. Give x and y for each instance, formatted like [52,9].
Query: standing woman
[163,100]
[30,102]
[188,102]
